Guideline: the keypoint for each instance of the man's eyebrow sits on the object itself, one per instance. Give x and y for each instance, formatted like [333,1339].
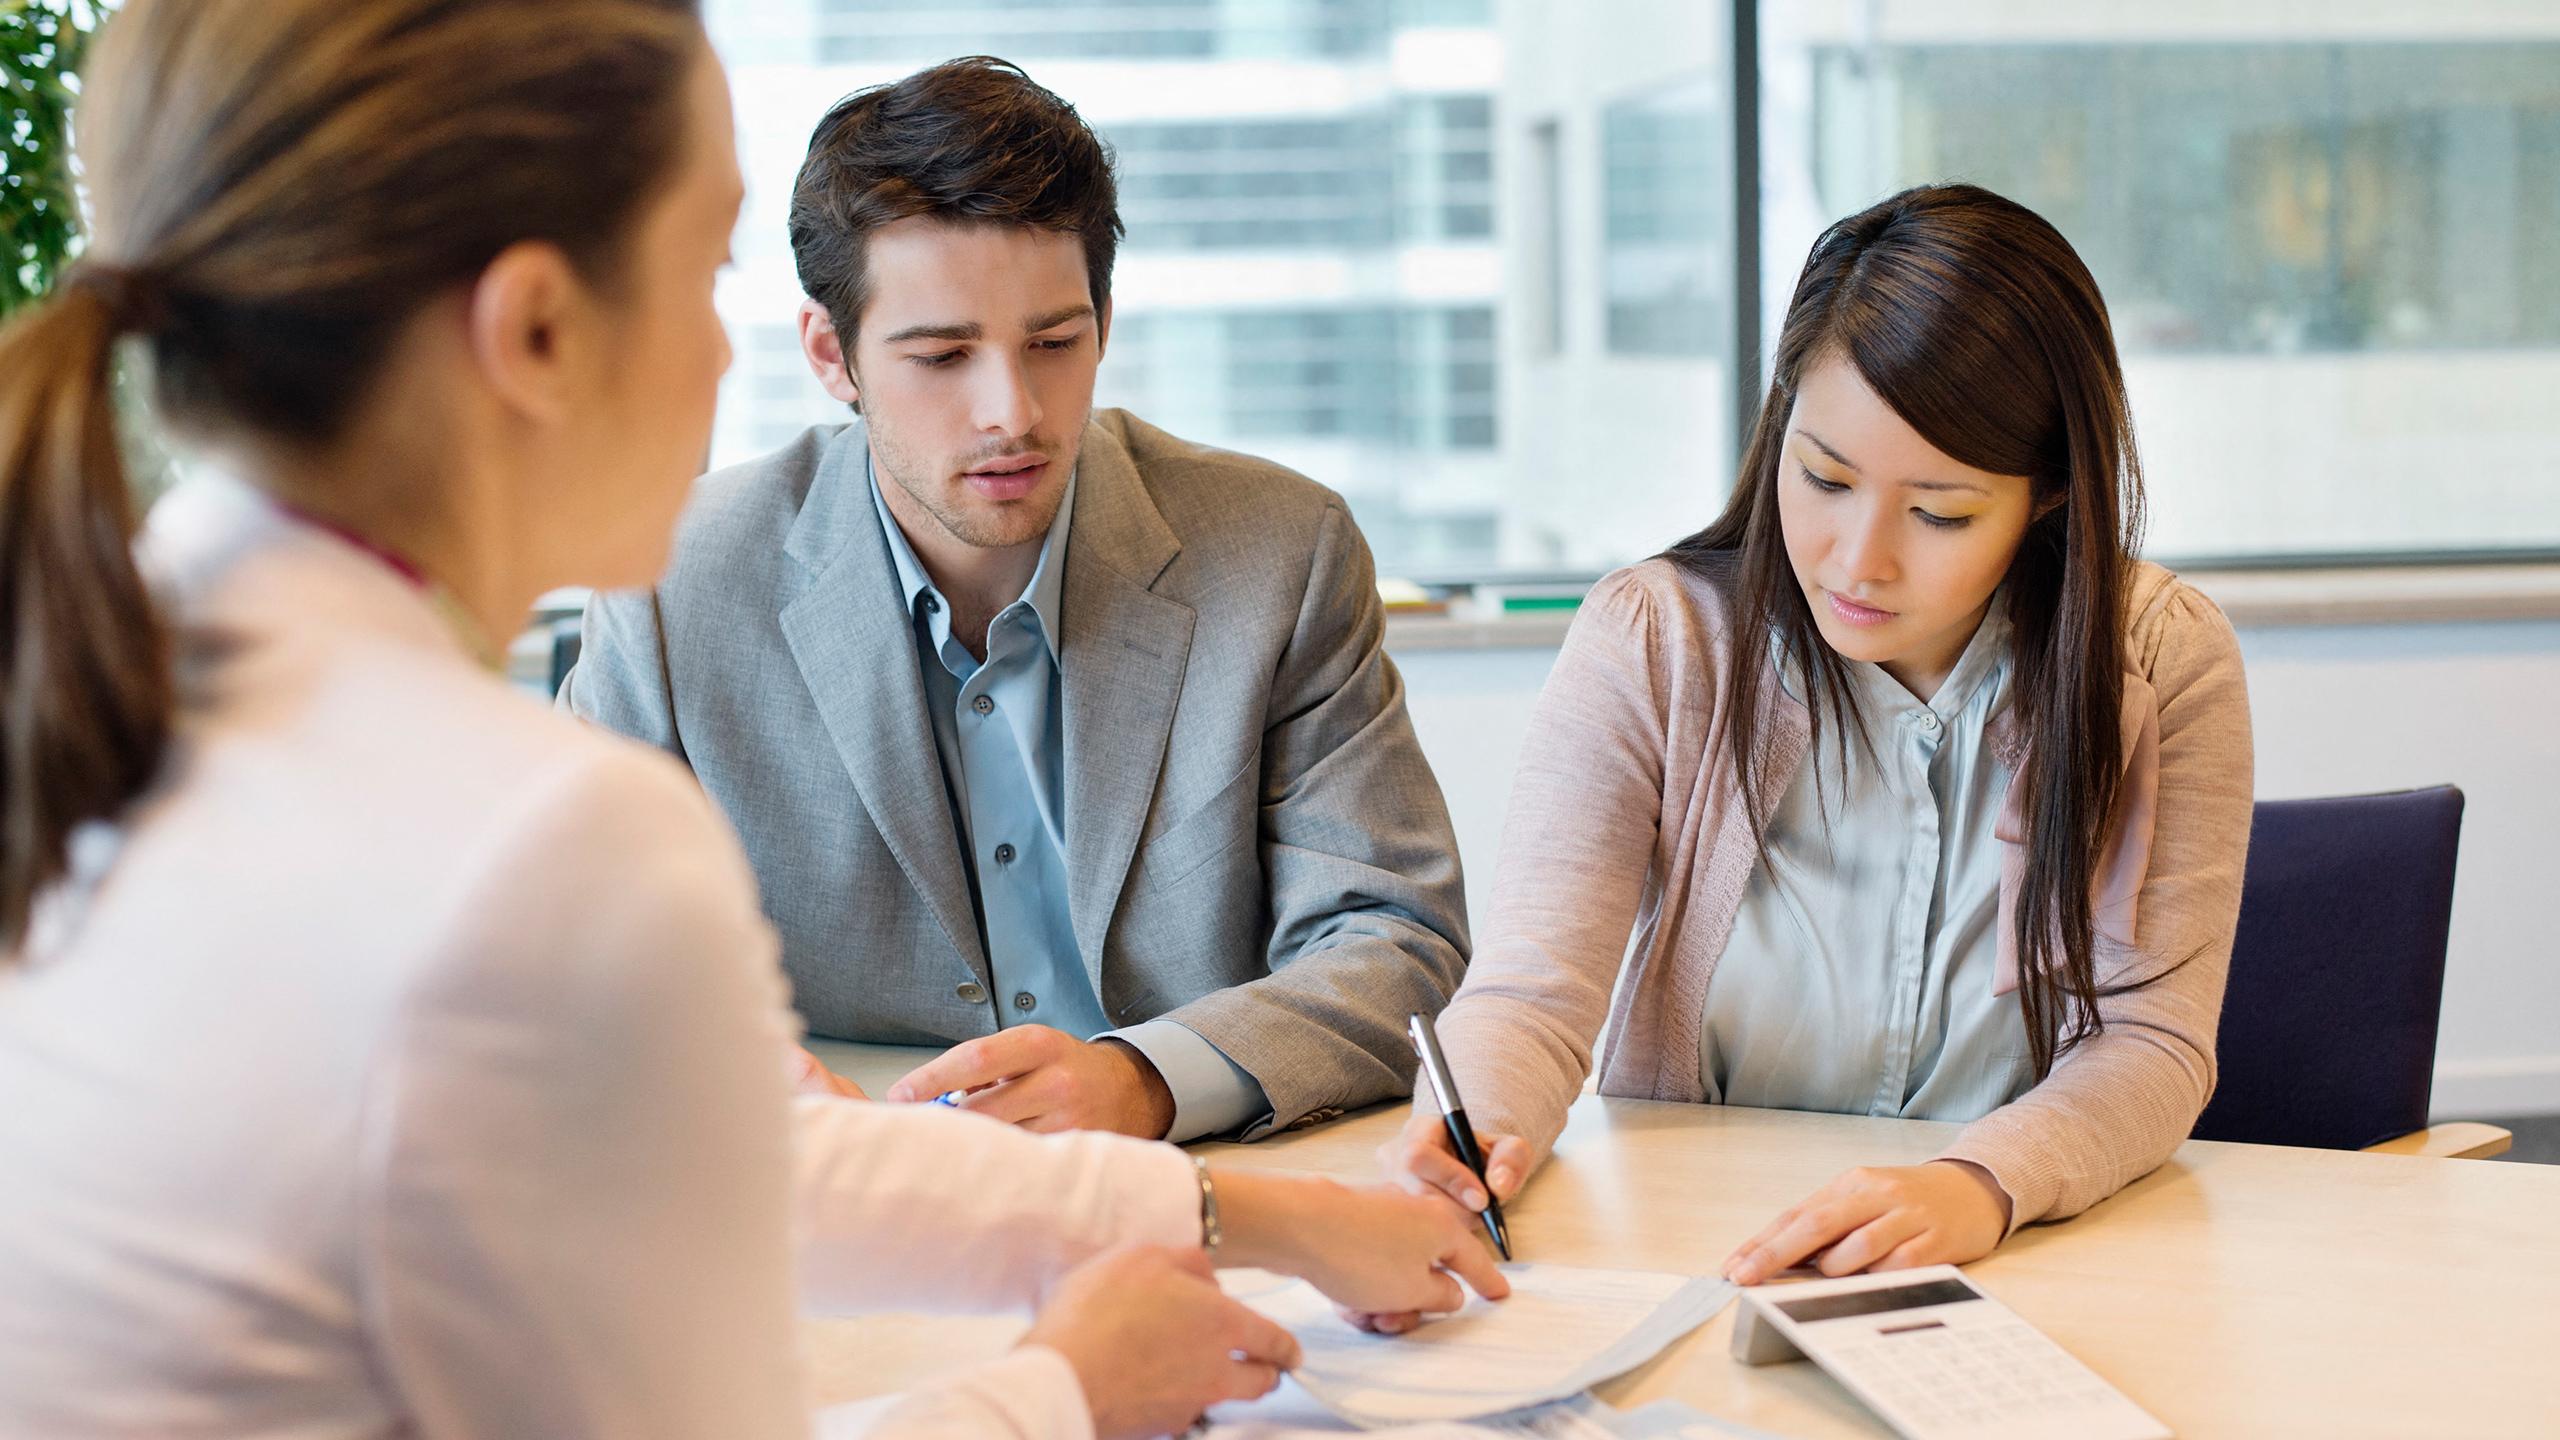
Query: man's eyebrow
[956,330]
[1056,318]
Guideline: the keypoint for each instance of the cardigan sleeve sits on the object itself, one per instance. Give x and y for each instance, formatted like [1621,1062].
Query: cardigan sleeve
[1577,846]
[2118,1105]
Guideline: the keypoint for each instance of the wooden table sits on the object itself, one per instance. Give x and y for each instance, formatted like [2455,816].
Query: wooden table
[2240,1290]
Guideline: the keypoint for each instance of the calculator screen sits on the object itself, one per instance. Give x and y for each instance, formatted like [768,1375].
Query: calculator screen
[1874,1302]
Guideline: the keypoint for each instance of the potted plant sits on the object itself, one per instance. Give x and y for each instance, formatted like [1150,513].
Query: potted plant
[41,46]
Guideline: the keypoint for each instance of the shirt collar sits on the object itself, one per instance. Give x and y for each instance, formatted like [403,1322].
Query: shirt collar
[1045,594]
[1984,661]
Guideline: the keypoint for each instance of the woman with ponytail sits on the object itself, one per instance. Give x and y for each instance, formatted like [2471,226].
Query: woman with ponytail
[1902,789]
[383,1053]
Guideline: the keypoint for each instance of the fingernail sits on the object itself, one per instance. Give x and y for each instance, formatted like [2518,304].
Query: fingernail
[1474,1200]
[1500,1178]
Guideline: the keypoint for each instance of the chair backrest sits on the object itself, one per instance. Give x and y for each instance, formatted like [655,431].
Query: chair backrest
[2328,1031]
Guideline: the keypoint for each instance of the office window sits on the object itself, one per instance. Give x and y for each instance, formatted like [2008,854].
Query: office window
[2328,256]
[853,31]
[1472,264]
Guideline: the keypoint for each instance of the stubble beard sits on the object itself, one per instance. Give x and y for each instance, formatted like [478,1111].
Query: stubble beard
[944,496]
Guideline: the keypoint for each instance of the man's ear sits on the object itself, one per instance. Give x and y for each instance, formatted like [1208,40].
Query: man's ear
[523,319]
[824,350]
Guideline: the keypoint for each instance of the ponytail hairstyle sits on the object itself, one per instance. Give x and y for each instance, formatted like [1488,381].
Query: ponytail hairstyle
[278,187]
[1973,318]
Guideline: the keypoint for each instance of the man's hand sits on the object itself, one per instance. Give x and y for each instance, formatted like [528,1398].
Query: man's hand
[1946,1212]
[1047,1080]
[810,1076]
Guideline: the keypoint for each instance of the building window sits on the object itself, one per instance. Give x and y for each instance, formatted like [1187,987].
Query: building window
[1661,199]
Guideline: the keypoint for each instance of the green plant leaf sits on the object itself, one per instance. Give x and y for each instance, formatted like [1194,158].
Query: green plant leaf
[41,45]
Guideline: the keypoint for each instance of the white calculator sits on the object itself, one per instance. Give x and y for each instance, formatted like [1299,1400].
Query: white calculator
[1937,1358]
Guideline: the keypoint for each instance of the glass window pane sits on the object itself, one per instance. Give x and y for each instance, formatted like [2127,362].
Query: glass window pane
[2328,255]
[1616,374]
[1661,174]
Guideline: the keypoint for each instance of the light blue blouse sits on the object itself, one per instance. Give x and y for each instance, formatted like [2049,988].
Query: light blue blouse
[1858,977]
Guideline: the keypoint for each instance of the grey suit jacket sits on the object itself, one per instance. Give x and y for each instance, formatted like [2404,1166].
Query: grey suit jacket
[1255,846]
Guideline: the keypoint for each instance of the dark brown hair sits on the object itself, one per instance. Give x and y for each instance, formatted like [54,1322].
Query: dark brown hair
[279,187]
[1974,319]
[971,142]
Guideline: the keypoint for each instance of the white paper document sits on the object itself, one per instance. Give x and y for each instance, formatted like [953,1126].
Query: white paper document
[1289,1414]
[1578,1419]
[1562,1331]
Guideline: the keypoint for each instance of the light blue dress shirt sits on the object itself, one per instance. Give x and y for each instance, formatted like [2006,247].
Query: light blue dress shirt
[1858,978]
[1000,729]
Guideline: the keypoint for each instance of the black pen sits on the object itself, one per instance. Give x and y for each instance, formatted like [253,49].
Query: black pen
[1453,1113]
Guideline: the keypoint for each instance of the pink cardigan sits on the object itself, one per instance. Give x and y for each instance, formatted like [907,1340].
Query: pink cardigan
[1625,821]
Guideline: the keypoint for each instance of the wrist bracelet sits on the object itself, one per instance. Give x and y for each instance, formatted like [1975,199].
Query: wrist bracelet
[1209,1233]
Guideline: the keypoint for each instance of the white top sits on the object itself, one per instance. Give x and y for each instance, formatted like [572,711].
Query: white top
[411,1063]
[1858,978]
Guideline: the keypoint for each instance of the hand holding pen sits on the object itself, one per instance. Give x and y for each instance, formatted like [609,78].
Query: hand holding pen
[1446,1152]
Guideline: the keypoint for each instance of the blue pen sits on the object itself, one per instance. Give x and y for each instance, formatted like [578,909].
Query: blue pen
[951,1098]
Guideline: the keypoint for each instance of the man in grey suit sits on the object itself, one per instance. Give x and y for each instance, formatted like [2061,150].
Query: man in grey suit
[1047,732]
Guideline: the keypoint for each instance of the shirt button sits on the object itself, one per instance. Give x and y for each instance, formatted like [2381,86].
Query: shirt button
[1004,854]
[1928,722]
[972,992]
[1024,1001]
[984,705]
[931,605]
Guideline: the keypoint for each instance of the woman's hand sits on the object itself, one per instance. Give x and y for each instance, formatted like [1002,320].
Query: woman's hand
[1155,1342]
[1883,1218]
[1384,1257]
[1421,1159]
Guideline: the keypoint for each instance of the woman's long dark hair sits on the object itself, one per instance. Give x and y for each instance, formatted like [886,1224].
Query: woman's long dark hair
[1974,319]
[280,185]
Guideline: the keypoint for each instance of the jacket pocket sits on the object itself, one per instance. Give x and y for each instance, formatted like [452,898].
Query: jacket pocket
[1208,830]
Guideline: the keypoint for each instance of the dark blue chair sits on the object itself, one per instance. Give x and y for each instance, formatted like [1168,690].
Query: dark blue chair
[2328,1033]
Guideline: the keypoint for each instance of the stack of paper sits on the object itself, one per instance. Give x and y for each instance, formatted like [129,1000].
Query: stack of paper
[1562,1331]
[1514,1369]
[1583,1419]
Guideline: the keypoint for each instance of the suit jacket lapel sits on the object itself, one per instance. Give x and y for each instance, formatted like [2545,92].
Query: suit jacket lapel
[1123,658]
[856,650]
